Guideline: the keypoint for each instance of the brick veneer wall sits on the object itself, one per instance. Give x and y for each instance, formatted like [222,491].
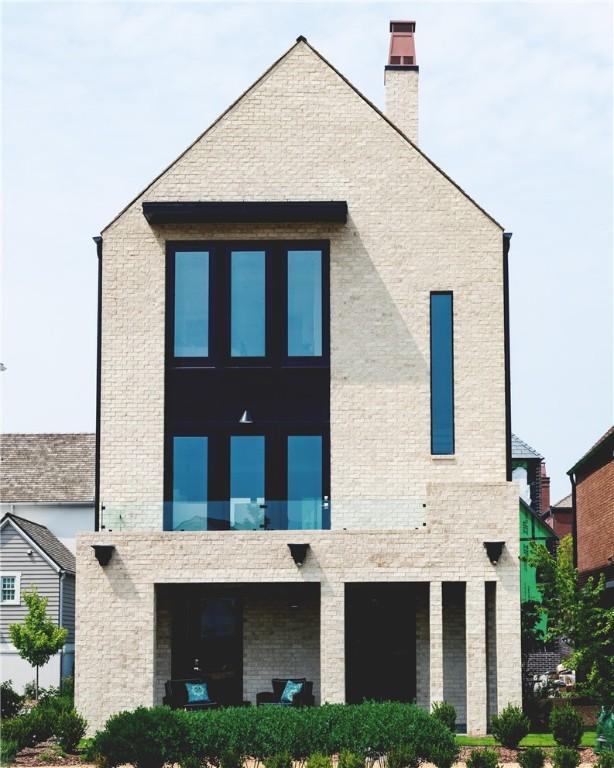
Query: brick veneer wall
[595,518]
[302,133]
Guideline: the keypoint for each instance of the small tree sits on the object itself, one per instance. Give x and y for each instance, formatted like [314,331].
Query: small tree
[575,614]
[38,638]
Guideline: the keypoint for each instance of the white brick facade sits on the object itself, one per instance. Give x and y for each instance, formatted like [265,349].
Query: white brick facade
[302,133]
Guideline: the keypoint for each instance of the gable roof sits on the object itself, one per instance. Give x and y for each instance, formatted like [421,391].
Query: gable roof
[522,450]
[301,40]
[42,537]
[52,468]
[606,438]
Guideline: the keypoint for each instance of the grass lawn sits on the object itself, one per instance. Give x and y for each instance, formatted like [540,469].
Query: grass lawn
[532,740]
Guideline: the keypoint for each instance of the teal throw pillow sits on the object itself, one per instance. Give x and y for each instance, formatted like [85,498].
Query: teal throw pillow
[197,692]
[291,689]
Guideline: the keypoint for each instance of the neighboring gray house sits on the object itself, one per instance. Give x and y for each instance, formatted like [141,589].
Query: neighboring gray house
[46,497]
[33,557]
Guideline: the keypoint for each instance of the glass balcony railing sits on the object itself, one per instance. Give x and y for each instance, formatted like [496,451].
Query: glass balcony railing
[259,514]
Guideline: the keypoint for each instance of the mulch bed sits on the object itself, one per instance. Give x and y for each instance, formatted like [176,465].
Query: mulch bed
[45,753]
[511,755]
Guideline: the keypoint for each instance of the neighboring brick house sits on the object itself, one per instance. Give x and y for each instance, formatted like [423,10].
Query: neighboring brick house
[46,497]
[560,517]
[592,480]
[304,462]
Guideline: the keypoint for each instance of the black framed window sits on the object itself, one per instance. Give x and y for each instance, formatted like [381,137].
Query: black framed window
[252,478]
[442,373]
[248,303]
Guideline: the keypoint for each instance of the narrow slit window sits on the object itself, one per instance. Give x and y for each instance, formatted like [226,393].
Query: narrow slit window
[191,304]
[442,374]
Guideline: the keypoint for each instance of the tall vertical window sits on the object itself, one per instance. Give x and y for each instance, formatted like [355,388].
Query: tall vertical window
[304,482]
[191,304]
[190,483]
[304,303]
[247,482]
[442,374]
[247,304]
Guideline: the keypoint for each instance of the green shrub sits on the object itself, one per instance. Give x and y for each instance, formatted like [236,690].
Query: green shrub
[510,726]
[318,760]
[222,737]
[348,759]
[483,758]
[566,726]
[69,729]
[282,760]
[8,751]
[565,757]
[10,700]
[445,713]
[146,738]
[402,757]
[533,757]
[606,760]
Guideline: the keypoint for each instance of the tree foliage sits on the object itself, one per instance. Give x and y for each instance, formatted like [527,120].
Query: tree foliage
[37,639]
[575,614]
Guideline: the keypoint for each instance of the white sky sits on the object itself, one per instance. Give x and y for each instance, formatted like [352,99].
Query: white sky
[515,105]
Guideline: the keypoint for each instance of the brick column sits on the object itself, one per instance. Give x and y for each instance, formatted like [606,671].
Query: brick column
[477,683]
[509,659]
[436,641]
[332,642]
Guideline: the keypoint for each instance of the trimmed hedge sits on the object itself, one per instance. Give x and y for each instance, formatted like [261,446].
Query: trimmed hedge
[533,757]
[148,738]
[510,727]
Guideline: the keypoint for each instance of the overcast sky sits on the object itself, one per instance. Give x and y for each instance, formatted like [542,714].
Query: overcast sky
[515,105]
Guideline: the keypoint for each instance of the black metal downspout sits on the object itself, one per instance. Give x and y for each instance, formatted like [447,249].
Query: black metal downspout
[507,236]
[574,521]
[98,241]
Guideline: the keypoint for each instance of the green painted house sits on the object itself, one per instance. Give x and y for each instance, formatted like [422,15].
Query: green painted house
[529,471]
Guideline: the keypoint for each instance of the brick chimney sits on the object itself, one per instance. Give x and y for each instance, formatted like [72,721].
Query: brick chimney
[401,79]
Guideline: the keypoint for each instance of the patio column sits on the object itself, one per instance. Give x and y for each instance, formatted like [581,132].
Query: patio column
[477,681]
[332,642]
[436,641]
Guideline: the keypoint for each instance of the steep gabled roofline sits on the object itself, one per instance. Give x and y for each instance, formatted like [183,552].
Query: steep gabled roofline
[593,450]
[300,40]
[13,521]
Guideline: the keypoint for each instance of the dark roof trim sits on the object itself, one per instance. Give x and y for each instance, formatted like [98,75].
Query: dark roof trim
[38,542]
[300,40]
[604,442]
[401,67]
[245,212]
[534,514]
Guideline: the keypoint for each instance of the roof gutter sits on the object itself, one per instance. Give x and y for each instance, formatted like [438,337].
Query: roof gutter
[574,521]
[98,241]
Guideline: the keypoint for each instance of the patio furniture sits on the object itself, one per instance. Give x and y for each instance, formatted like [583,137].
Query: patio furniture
[301,697]
[178,694]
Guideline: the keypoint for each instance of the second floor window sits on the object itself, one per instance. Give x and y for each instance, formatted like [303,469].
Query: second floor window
[442,374]
[243,303]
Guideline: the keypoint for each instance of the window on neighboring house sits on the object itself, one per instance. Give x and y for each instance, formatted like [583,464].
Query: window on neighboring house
[442,374]
[10,588]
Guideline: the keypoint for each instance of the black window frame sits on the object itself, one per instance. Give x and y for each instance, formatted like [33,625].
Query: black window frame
[276,310]
[275,463]
[451,295]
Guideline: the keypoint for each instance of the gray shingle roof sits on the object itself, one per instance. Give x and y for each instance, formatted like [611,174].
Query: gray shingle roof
[49,543]
[47,467]
[522,450]
[564,503]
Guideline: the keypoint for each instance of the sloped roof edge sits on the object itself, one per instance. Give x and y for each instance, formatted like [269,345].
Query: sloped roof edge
[47,542]
[537,517]
[593,449]
[300,40]
[522,450]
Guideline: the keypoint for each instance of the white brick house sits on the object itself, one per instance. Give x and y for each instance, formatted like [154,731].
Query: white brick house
[303,341]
